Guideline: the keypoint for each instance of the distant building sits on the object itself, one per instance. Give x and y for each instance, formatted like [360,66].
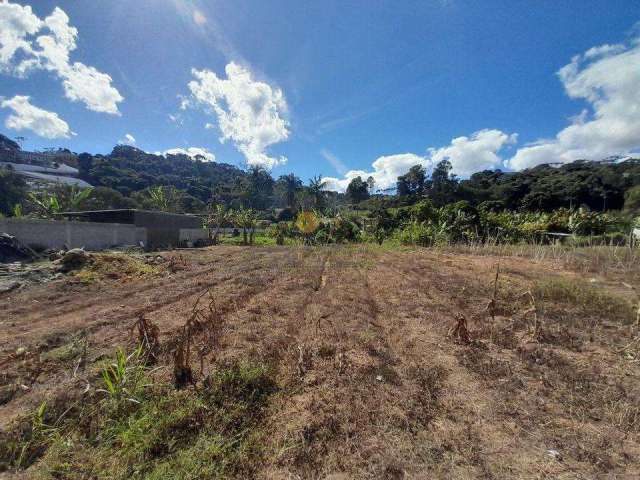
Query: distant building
[38,176]
[40,169]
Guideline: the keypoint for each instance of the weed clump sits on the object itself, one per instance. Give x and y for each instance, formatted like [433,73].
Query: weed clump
[586,298]
[132,429]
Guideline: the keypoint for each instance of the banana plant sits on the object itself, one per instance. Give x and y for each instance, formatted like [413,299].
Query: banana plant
[45,204]
[163,198]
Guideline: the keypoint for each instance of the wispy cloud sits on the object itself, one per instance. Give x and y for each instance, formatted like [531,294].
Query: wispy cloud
[208,27]
[127,140]
[199,18]
[335,162]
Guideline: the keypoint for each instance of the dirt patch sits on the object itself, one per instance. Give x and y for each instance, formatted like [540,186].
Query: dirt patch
[364,379]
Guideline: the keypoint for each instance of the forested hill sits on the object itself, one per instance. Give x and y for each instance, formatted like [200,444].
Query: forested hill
[597,185]
[128,169]
[126,176]
[603,185]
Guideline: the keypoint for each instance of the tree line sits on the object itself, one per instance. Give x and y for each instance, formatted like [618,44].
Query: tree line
[132,178]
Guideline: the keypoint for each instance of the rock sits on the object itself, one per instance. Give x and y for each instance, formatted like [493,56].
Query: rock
[74,259]
[11,250]
[55,255]
[8,287]
[20,351]
[555,454]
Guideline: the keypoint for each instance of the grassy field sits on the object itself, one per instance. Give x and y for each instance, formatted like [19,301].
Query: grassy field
[340,362]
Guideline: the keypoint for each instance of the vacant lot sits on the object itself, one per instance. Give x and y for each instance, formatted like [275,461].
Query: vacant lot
[322,363]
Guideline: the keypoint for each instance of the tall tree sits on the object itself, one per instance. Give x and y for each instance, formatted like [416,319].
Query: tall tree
[287,186]
[413,182]
[357,190]
[258,188]
[371,184]
[442,186]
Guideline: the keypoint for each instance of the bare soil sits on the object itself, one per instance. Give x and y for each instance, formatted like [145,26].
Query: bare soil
[371,383]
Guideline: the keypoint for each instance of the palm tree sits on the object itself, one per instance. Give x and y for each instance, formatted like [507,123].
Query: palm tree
[288,186]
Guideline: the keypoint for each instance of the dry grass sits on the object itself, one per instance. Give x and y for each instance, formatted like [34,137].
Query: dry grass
[337,363]
[614,261]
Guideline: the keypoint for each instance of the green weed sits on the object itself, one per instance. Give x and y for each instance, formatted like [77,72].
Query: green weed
[206,433]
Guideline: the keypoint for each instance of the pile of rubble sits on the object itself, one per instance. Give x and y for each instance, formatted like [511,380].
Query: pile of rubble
[20,265]
[15,275]
[12,250]
[73,259]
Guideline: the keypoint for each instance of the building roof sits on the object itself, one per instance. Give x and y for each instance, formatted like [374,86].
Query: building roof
[56,168]
[46,178]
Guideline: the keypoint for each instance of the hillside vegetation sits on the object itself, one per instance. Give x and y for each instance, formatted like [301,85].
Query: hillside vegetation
[127,176]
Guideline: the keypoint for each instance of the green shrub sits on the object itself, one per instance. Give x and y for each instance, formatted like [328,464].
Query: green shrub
[424,211]
[421,234]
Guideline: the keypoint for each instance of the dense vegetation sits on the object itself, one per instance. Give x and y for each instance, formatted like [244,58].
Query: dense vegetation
[580,198]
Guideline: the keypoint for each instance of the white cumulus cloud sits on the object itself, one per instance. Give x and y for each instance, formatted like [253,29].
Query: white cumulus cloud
[467,155]
[250,113]
[29,117]
[386,171]
[16,24]
[608,79]
[477,152]
[28,43]
[127,140]
[193,152]
[92,87]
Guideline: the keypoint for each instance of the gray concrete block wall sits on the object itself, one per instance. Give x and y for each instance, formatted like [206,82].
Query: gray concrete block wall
[193,234]
[57,234]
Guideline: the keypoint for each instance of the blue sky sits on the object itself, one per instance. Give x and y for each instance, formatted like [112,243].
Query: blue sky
[337,88]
